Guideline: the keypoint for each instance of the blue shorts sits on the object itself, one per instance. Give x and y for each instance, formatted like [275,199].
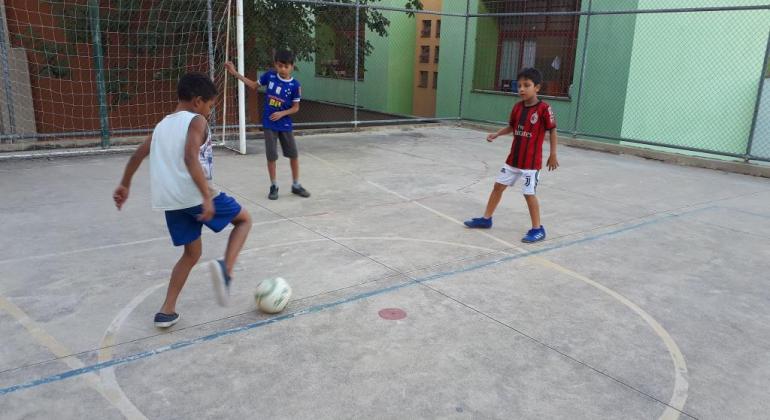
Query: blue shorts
[184,226]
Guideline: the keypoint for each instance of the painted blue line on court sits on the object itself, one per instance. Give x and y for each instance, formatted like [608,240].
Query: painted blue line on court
[317,308]
[746,212]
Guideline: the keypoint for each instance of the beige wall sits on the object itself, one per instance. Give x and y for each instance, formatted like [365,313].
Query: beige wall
[424,103]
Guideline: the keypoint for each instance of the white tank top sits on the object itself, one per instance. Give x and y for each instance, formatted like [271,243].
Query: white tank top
[171,185]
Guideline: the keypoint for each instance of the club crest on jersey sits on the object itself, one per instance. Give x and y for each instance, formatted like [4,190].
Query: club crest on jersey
[533,118]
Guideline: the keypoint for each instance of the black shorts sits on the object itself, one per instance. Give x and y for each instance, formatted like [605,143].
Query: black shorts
[288,144]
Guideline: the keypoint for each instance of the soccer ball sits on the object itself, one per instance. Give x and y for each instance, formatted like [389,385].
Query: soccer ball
[272,295]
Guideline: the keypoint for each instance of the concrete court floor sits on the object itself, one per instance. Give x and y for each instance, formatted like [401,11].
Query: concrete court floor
[649,299]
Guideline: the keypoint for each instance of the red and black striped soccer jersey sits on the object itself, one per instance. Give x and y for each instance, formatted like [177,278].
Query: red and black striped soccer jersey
[529,125]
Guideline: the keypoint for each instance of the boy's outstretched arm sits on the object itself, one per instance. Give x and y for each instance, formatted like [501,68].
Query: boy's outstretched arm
[501,132]
[121,193]
[196,135]
[252,84]
[553,162]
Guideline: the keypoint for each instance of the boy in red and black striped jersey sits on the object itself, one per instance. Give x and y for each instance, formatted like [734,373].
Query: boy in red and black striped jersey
[530,119]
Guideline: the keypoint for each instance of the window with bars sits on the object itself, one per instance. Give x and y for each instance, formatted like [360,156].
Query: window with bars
[423,83]
[435,55]
[507,44]
[426,28]
[425,54]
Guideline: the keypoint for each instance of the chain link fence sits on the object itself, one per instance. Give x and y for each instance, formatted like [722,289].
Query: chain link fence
[688,75]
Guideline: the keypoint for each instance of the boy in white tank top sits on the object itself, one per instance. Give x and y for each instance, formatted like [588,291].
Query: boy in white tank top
[181,168]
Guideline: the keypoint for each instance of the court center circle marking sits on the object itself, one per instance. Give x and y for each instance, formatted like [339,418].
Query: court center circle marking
[671,412]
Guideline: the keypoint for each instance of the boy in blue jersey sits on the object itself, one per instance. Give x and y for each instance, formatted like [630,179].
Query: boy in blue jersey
[282,97]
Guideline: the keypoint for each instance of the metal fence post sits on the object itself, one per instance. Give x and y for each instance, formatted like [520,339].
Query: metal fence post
[356,64]
[96,33]
[5,49]
[463,62]
[582,71]
[762,75]
[210,22]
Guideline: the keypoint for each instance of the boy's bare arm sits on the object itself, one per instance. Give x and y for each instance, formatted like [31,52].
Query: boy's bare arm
[252,84]
[196,134]
[553,162]
[121,192]
[501,132]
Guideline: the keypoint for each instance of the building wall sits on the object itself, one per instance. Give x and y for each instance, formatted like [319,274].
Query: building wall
[652,77]
[477,105]
[603,96]
[681,91]
[388,76]
[71,103]
[424,102]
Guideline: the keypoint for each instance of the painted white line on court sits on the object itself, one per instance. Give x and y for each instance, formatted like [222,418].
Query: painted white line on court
[681,385]
[108,341]
[118,400]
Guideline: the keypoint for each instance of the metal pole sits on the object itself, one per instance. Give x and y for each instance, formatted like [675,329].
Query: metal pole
[241,70]
[465,50]
[4,51]
[582,72]
[210,21]
[356,63]
[96,34]
[759,101]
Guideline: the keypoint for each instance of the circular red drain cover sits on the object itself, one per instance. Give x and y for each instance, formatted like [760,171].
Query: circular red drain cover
[392,314]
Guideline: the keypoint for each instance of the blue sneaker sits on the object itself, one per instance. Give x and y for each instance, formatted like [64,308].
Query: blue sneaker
[534,235]
[166,320]
[221,281]
[479,223]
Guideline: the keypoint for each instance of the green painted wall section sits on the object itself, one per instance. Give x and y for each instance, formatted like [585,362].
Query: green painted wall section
[610,42]
[478,105]
[389,77]
[487,38]
[693,77]
[401,61]
[680,79]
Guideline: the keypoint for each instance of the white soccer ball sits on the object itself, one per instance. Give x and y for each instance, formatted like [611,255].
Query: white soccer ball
[272,295]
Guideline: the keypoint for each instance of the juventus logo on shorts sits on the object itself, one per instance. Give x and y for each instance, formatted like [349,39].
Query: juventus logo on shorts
[527,182]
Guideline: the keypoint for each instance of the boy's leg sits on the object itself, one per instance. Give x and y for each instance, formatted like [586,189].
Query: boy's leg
[227,211]
[271,170]
[506,178]
[271,152]
[294,162]
[534,210]
[537,233]
[190,257]
[242,224]
[494,199]
[289,147]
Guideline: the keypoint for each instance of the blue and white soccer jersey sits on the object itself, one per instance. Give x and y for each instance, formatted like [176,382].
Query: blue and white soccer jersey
[206,156]
[280,95]
[509,175]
